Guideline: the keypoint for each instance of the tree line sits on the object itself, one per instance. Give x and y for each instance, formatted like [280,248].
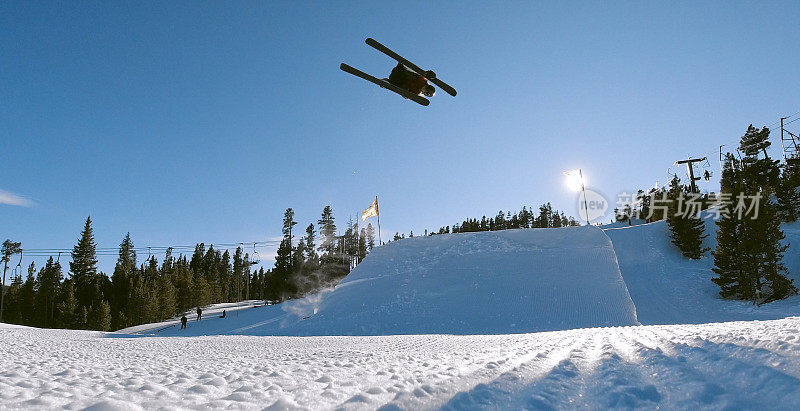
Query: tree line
[150,291]
[547,217]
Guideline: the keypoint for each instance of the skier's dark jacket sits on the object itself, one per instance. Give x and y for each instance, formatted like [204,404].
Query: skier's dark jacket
[407,79]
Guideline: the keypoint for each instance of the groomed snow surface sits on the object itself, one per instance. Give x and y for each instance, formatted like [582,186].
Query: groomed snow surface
[737,364]
[544,318]
[498,282]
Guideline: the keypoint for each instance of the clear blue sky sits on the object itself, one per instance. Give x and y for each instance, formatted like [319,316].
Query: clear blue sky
[184,122]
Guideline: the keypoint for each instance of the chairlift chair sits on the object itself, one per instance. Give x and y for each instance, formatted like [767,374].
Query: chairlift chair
[255,257]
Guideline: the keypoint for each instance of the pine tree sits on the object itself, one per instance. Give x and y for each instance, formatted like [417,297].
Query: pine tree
[288,223]
[311,247]
[788,195]
[9,248]
[686,231]
[14,311]
[362,245]
[84,268]
[167,304]
[121,280]
[749,252]
[370,237]
[327,229]
[100,316]
[49,280]
[184,286]
[68,307]
[26,302]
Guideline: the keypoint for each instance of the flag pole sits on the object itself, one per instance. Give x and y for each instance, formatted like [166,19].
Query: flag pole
[585,205]
[377,208]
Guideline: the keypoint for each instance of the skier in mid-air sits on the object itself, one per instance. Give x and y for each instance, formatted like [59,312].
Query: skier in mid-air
[401,76]
[406,79]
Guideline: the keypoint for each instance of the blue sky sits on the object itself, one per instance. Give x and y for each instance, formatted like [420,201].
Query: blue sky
[184,122]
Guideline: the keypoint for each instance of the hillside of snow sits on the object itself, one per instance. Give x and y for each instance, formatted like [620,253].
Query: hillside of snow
[498,282]
[667,288]
[737,365]
[511,281]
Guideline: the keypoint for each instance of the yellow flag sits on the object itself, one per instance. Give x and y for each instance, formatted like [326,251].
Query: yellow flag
[371,211]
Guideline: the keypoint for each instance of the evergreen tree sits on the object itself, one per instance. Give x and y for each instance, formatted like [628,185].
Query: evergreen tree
[311,247]
[84,268]
[100,317]
[731,274]
[27,294]
[362,245]
[327,229]
[49,280]
[68,307]
[121,280]
[238,268]
[184,286]
[9,249]
[686,231]
[288,223]
[14,311]
[749,252]
[167,302]
[370,237]
[788,195]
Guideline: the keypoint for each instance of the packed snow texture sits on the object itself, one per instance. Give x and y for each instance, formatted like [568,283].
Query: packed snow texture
[511,281]
[723,365]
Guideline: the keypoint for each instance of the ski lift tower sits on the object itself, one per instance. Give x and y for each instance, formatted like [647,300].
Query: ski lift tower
[789,141]
[689,166]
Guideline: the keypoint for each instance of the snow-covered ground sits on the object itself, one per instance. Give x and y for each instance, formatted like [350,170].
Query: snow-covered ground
[670,289]
[499,282]
[210,311]
[739,365]
[503,291]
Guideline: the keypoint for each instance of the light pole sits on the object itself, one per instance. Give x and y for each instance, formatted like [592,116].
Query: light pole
[585,203]
[579,174]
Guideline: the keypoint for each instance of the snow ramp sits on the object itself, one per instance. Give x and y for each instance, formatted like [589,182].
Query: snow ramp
[497,282]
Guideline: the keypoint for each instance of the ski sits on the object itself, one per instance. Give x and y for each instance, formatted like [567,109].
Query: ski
[385,50]
[385,84]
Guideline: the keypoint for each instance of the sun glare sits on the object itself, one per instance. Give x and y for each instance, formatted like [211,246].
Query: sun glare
[574,183]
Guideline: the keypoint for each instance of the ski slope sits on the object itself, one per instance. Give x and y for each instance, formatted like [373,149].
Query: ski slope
[713,366]
[498,282]
[512,281]
[670,289]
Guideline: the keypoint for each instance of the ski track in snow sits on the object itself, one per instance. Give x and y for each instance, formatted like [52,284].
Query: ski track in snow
[738,364]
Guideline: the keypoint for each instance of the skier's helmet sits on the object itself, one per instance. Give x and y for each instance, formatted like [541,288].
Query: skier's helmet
[428,90]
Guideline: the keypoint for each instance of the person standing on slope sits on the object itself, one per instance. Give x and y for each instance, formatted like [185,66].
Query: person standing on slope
[199,313]
[183,321]
[406,79]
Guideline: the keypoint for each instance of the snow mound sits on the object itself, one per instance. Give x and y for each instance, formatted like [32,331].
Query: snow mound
[511,281]
[480,283]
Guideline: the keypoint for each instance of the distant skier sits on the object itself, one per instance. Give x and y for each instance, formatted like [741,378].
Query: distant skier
[199,313]
[401,76]
[183,321]
[223,314]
